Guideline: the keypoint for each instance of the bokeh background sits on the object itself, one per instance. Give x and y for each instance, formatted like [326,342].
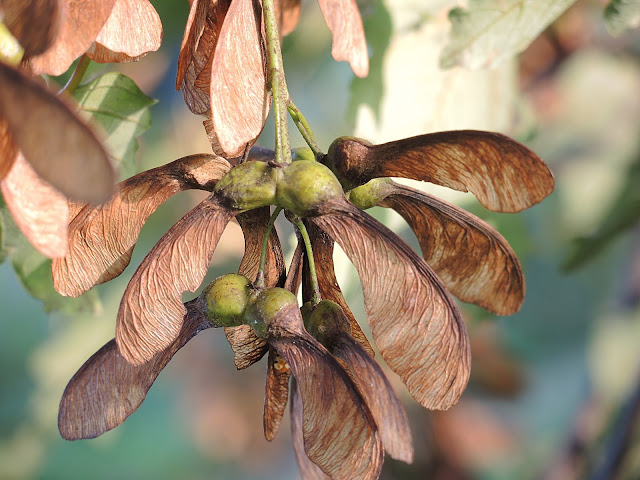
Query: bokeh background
[552,387]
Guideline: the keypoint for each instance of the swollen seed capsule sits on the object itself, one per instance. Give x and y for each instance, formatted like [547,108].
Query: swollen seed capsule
[227,298]
[248,185]
[266,306]
[326,320]
[304,186]
[371,193]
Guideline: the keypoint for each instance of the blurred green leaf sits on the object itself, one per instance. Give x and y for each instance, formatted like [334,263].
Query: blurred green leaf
[115,102]
[491,31]
[623,214]
[34,271]
[622,15]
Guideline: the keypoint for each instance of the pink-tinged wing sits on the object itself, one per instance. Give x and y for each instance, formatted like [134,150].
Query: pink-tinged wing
[471,258]
[60,146]
[107,388]
[247,347]
[39,210]
[288,12]
[239,100]
[151,310]
[133,29]
[503,174]
[349,43]
[102,237]
[81,24]
[415,322]
[34,23]
[8,150]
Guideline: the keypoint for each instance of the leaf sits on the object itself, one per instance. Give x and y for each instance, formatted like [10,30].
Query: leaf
[60,147]
[196,52]
[133,29]
[339,434]
[115,103]
[471,258]
[415,322]
[622,15]
[39,210]
[489,32]
[102,237]
[247,347]
[322,246]
[34,271]
[349,44]
[34,23]
[81,24]
[151,310]
[239,100]
[623,214]
[107,389]
[276,393]
[329,325]
[503,174]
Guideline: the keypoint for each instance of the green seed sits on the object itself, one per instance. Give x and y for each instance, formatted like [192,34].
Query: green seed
[227,298]
[248,185]
[266,306]
[370,194]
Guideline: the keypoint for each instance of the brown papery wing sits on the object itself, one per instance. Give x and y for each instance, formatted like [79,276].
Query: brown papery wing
[471,258]
[415,322]
[288,15]
[349,44]
[34,23]
[60,146]
[329,289]
[239,100]
[132,30]
[276,393]
[247,347]
[8,150]
[107,388]
[102,237]
[378,394]
[340,435]
[39,210]
[79,27]
[151,310]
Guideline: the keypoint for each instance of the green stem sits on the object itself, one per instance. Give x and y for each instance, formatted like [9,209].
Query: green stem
[312,265]
[303,128]
[265,247]
[78,73]
[277,83]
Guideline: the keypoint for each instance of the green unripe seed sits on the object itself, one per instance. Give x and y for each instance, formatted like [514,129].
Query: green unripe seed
[304,186]
[370,194]
[326,320]
[248,185]
[303,153]
[227,298]
[266,306]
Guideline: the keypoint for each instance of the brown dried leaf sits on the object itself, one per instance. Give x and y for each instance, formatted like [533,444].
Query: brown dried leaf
[107,389]
[503,174]
[340,435]
[151,310]
[60,147]
[247,347]
[349,43]
[39,210]
[471,258]
[133,29]
[276,393]
[80,26]
[308,469]
[102,237]
[196,52]
[322,246]
[8,150]
[415,322]
[34,23]
[378,394]
[239,100]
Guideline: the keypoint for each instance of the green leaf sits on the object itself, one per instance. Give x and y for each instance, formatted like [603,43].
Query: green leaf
[623,214]
[491,31]
[622,15]
[34,271]
[115,102]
